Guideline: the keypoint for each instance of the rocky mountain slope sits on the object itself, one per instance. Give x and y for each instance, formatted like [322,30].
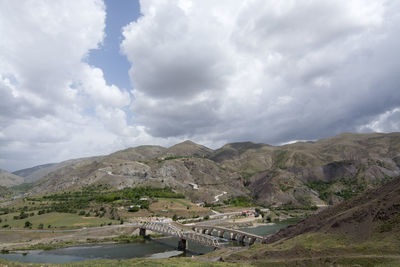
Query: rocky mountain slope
[375,211]
[8,179]
[330,169]
[36,173]
[301,174]
[361,231]
[149,166]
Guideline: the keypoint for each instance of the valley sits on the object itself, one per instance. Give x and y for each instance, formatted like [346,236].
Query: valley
[97,199]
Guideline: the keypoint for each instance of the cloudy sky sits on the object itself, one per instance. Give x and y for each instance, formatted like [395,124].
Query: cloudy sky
[83,78]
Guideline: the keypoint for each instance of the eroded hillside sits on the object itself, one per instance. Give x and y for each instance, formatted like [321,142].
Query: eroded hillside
[301,174]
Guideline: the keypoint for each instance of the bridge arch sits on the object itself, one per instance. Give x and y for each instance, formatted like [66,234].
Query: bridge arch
[164,228]
[171,230]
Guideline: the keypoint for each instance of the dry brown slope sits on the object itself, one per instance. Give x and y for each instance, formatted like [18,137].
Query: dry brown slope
[8,179]
[139,153]
[188,149]
[348,163]
[375,211]
[119,173]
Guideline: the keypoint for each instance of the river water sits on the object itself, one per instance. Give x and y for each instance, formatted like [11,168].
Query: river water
[155,248]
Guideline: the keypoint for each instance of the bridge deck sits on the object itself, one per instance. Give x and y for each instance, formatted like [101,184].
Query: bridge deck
[172,230]
[187,232]
[224,229]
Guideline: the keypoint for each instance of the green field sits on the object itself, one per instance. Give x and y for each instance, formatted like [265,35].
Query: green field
[55,220]
[89,206]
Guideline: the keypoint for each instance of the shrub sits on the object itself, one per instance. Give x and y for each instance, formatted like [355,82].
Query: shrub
[131,209]
[22,215]
[40,212]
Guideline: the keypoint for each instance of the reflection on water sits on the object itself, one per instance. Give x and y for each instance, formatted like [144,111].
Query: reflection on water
[269,228]
[156,248]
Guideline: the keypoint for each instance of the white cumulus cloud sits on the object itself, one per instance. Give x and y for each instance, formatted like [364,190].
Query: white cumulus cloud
[267,71]
[49,96]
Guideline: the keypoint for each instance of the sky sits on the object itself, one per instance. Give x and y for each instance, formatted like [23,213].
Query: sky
[85,78]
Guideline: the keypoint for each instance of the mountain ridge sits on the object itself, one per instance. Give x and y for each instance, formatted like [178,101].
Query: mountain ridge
[299,174]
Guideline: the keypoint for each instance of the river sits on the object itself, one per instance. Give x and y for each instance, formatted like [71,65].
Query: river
[155,248]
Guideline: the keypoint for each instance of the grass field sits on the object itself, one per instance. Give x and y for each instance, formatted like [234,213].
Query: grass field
[55,220]
[181,207]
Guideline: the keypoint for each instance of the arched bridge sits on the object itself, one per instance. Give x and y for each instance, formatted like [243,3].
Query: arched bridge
[183,235]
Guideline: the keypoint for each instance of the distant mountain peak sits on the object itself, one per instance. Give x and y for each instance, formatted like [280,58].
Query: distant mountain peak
[189,148]
[187,142]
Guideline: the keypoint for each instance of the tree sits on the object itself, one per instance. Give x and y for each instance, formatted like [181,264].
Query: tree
[40,226]
[28,224]
[22,215]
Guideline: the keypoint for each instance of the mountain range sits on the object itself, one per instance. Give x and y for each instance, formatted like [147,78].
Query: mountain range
[323,172]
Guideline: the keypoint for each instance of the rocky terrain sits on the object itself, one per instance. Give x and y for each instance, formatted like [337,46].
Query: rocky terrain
[8,179]
[326,171]
[360,218]
[361,231]
[33,174]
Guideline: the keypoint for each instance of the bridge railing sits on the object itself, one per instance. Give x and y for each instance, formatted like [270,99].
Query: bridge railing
[172,230]
[202,239]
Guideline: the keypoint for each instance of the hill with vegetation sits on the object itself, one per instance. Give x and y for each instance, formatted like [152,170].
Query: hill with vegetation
[364,229]
[305,174]
[326,171]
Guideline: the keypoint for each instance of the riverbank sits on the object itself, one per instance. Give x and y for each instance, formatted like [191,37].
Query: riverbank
[45,240]
[176,262]
[127,247]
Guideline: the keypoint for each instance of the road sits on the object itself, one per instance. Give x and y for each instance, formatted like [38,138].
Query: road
[218,196]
